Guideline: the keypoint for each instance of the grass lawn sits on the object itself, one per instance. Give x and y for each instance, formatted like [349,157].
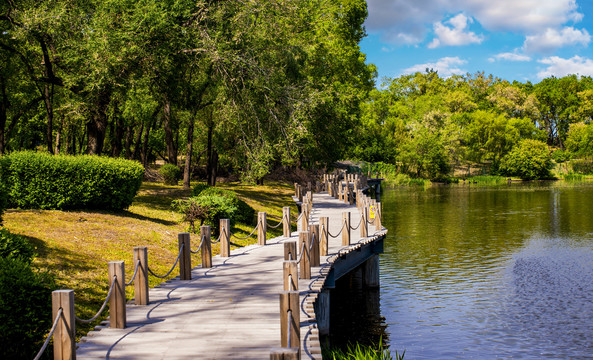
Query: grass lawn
[76,246]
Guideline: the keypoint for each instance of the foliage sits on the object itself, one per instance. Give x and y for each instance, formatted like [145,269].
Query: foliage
[529,160]
[487,180]
[573,177]
[15,246]
[198,188]
[561,156]
[580,139]
[213,204]
[582,166]
[43,181]
[171,174]
[25,308]
[362,352]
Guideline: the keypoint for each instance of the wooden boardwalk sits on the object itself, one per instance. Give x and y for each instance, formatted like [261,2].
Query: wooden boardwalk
[229,311]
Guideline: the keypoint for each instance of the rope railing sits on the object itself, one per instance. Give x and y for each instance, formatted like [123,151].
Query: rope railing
[338,234]
[85,321]
[174,265]
[291,286]
[219,236]
[359,223]
[302,252]
[289,322]
[248,236]
[276,226]
[312,242]
[51,333]
[135,273]
[199,247]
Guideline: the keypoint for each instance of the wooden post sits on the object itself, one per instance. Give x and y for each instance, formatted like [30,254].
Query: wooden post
[370,278]
[286,221]
[284,354]
[296,190]
[350,196]
[290,274]
[141,280]
[305,217]
[364,226]
[315,258]
[262,221]
[64,335]
[289,301]
[117,302]
[310,196]
[323,236]
[346,228]
[206,246]
[346,191]
[290,250]
[225,237]
[305,238]
[378,216]
[330,189]
[185,258]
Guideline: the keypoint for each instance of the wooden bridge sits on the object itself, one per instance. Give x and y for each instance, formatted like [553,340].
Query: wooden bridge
[232,309]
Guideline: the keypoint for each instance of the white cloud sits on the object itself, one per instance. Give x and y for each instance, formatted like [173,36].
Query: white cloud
[560,67]
[508,56]
[455,35]
[446,67]
[408,22]
[553,39]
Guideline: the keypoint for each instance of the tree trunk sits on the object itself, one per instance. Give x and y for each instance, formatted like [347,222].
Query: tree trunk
[169,140]
[3,113]
[190,143]
[47,99]
[145,143]
[209,155]
[58,137]
[214,168]
[97,125]
[128,142]
[136,154]
[116,140]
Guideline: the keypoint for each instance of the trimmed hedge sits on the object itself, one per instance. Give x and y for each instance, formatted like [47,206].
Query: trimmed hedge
[42,181]
[15,246]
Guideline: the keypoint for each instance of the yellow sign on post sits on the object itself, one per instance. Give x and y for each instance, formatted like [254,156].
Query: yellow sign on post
[372,212]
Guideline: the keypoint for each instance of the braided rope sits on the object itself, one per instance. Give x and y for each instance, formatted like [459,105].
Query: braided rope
[302,252]
[199,247]
[135,273]
[170,271]
[51,333]
[312,242]
[248,236]
[219,236]
[338,234]
[359,223]
[280,223]
[102,307]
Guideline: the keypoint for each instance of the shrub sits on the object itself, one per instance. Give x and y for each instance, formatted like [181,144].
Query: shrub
[25,309]
[171,173]
[14,246]
[561,156]
[582,166]
[43,181]
[197,190]
[529,160]
[3,201]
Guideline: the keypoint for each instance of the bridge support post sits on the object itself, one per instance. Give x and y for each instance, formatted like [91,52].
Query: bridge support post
[378,217]
[185,257]
[364,226]
[370,274]
[117,302]
[290,275]
[315,256]
[141,280]
[290,250]
[225,237]
[206,247]
[262,227]
[305,217]
[286,221]
[323,235]
[305,238]
[290,320]
[346,229]
[64,343]
[323,311]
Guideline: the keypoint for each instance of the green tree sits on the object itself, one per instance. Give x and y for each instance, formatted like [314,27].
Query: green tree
[530,159]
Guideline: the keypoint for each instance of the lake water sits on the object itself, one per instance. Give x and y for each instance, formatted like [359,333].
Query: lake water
[489,272]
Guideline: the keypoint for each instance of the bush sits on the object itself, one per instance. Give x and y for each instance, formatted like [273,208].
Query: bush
[529,160]
[25,309]
[582,166]
[197,190]
[14,246]
[43,181]
[171,173]
[561,156]
[3,201]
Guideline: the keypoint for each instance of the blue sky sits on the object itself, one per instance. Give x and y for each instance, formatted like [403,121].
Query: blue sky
[510,39]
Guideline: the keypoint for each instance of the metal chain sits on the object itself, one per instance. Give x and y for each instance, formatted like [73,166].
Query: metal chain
[248,236]
[135,273]
[199,247]
[102,307]
[51,333]
[170,271]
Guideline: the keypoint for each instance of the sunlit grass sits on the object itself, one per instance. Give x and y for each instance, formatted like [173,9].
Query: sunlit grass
[76,246]
[362,352]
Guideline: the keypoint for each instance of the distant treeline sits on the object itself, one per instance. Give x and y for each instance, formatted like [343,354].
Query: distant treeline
[428,125]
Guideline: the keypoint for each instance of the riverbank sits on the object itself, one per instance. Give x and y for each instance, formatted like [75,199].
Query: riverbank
[75,246]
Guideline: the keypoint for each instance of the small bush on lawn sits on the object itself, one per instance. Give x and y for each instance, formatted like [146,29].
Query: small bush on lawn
[25,309]
[171,173]
[42,181]
[14,246]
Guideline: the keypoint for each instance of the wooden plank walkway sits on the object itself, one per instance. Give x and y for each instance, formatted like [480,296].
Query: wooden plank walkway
[229,311]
